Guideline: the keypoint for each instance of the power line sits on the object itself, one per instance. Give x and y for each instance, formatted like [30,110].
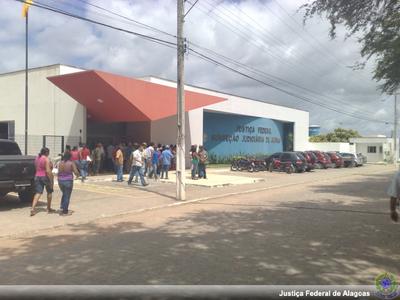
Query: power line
[329,98]
[280,80]
[129,19]
[207,58]
[198,54]
[322,46]
[246,30]
[147,37]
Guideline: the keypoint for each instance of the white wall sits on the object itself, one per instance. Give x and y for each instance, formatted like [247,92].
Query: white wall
[51,111]
[326,147]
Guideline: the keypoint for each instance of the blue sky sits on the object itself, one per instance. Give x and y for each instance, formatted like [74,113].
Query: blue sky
[266,35]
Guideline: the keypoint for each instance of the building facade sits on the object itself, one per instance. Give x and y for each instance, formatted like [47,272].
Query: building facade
[68,105]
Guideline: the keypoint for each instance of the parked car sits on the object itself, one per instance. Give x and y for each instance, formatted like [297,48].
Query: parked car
[349,159]
[17,171]
[271,158]
[337,159]
[312,156]
[322,160]
[287,161]
[310,160]
[329,163]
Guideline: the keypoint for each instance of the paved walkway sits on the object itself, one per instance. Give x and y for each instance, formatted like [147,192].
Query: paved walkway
[100,197]
[217,178]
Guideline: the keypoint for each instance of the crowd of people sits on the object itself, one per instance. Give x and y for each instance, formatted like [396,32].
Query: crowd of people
[142,161]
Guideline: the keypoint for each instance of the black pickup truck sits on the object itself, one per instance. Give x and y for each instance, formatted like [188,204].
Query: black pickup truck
[17,171]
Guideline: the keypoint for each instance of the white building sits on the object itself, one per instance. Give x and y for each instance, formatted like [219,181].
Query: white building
[376,149]
[68,105]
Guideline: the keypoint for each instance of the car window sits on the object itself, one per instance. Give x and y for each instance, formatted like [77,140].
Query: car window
[7,148]
[286,156]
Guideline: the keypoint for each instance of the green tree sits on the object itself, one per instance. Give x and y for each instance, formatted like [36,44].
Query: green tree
[376,23]
[339,135]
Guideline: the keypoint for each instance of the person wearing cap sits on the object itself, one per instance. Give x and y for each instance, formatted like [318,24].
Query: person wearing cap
[166,158]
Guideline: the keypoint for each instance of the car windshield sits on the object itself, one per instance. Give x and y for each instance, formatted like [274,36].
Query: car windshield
[7,148]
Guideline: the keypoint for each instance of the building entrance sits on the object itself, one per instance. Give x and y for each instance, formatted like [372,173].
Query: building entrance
[118,132]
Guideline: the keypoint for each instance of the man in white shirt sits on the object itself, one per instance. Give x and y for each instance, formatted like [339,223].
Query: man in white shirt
[137,165]
[148,154]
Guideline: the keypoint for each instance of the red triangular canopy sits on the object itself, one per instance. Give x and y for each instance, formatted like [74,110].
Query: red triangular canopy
[114,98]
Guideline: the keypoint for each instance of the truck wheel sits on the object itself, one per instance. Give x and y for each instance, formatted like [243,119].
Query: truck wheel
[234,167]
[27,195]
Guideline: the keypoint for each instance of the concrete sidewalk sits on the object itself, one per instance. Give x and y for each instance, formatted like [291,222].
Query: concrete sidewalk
[216,178]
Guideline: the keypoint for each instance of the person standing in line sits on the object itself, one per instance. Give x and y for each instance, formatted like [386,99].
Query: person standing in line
[119,163]
[203,159]
[137,166]
[67,149]
[148,158]
[127,157]
[75,158]
[96,159]
[66,171]
[43,179]
[83,161]
[195,161]
[166,158]
[394,194]
[110,159]
[159,166]
[154,164]
[103,157]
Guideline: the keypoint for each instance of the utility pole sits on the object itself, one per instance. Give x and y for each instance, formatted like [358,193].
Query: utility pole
[180,145]
[26,83]
[395,156]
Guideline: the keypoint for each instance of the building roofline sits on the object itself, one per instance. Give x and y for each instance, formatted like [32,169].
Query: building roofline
[221,92]
[38,68]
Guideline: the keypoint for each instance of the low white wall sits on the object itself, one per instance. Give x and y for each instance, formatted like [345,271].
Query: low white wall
[326,147]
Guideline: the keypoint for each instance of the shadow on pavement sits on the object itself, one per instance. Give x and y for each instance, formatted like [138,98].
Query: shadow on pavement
[252,245]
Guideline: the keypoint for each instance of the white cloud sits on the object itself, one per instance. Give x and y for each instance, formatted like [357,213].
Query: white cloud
[257,33]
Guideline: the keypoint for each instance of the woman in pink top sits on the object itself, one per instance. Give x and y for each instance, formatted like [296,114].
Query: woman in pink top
[43,178]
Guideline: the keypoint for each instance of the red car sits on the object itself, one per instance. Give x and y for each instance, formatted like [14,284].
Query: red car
[336,159]
[323,161]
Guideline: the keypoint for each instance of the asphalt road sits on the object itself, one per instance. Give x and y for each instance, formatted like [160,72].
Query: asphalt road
[331,232]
